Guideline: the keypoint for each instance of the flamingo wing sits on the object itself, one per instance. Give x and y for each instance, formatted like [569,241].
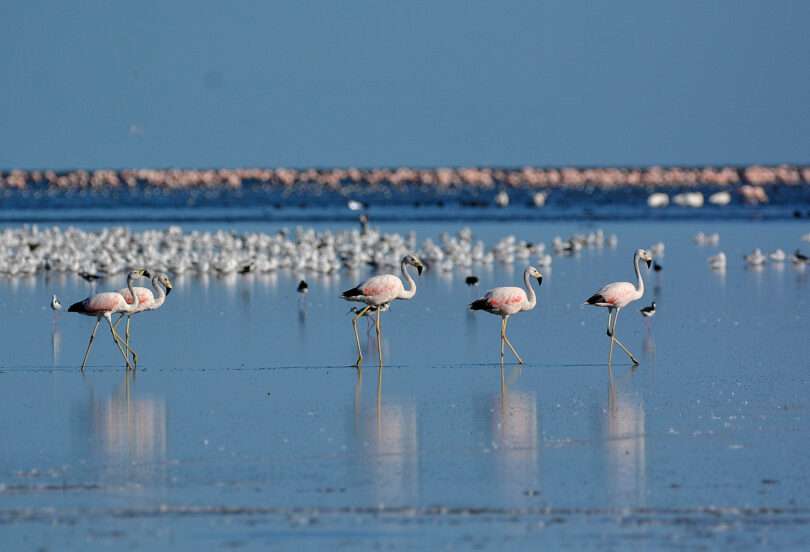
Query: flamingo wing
[501,300]
[99,304]
[377,290]
[617,294]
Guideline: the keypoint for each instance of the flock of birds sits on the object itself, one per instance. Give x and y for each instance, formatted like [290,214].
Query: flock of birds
[94,255]
[173,252]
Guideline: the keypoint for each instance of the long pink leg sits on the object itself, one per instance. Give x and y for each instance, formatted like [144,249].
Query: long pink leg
[90,343]
[619,343]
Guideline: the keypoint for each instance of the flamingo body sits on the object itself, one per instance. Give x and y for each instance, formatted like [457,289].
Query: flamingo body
[377,290]
[100,304]
[616,295]
[503,301]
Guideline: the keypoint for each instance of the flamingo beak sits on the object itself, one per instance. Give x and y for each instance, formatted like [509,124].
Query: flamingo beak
[420,268]
[649,262]
[539,281]
[146,274]
[168,289]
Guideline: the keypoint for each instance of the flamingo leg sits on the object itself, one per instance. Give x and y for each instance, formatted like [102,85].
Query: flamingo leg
[130,349]
[118,341]
[90,343]
[505,322]
[357,336]
[503,332]
[615,339]
[379,335]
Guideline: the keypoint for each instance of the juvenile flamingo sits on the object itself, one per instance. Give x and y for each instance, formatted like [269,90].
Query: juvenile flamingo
[618,295]
[506,301]
[104,305]
[377,292]
[146,302]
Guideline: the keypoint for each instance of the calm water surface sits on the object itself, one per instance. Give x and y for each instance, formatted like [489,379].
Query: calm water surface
[245,426]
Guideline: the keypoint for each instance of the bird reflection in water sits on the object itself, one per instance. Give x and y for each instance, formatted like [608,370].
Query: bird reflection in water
[390,442]
[624,430]
[130,432]
[513,428]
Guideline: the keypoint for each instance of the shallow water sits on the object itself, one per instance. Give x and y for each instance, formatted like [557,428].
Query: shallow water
[245,426]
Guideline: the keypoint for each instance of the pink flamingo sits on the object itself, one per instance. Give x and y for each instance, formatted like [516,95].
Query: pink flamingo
[618,295]
[506,301]
[104,305]
[377,292]
[146,302]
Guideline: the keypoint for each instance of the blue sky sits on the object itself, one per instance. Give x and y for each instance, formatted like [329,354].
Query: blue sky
[375,83]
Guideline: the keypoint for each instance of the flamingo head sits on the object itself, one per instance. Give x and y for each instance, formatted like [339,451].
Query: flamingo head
[165,282]
[534,273]
[414,261]
[139,273]
[645,256]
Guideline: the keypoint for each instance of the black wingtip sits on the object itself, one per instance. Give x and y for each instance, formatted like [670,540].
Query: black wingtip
[594,299]
[479,304]
[76,307]
[354,292]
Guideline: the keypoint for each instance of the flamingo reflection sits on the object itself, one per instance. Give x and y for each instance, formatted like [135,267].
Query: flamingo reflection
[392,441]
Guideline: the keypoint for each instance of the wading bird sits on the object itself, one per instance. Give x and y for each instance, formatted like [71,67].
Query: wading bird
[147,301]
[618,295]
[303,287]
[56,305]
[377,292]
[471,280]
[648,312]
[104,305]
[506,301]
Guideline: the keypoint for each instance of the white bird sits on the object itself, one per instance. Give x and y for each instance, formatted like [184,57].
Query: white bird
[55,304]
[755,258]
[502,199]
[720,198]
[354,205]
[718,262]
[378,291]
[657,249]
[618,295]
[539,199]
[777,256]
[658,200]
[506,301]
[689,199]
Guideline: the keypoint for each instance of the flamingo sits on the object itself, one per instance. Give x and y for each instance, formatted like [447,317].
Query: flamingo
[104,305]
[146,302]
[506,301]
[377,292]
[618,295]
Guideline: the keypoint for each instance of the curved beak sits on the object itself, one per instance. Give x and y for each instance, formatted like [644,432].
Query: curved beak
[649,262]
[539,281]
[146,273]
[168,289]
[419,268]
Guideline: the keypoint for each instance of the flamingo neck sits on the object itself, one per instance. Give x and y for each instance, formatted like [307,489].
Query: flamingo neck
[135,299]
[160,291]
[530,294]
[409,291]
[640,285]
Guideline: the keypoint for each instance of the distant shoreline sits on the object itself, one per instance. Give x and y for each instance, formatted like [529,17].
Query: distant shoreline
[442,178]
